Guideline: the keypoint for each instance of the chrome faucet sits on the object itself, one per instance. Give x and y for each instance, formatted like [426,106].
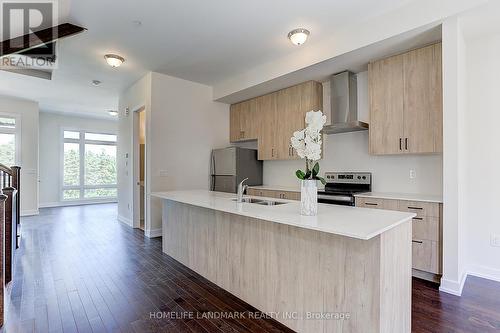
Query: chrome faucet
[241,189]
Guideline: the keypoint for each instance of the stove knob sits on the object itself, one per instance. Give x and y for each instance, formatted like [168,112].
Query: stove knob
[359,177]
[364,177]
[328,177]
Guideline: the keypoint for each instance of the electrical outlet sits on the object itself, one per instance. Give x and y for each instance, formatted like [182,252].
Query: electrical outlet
[495,240]
[413,174]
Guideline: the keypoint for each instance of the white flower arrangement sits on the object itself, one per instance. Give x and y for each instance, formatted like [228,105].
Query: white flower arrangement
[307,144]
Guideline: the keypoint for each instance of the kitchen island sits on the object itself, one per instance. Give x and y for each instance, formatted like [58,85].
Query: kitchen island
[347,269]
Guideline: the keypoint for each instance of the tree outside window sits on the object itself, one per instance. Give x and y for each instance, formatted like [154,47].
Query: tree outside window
[89,166]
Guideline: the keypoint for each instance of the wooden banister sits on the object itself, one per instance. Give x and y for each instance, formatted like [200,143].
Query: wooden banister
[10,183]
[3,199]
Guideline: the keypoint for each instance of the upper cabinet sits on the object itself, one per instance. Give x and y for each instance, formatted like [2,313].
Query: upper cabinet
[242,121]
[272,119]
[406,109]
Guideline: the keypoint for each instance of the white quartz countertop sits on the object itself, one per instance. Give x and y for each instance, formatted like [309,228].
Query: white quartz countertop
[402,196]
[360,223]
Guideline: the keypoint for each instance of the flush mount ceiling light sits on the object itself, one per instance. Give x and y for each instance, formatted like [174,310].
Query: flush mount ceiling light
[298,36]
[113,113]
[114,60]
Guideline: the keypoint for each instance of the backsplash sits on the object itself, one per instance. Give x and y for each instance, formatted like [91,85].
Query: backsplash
[349,152]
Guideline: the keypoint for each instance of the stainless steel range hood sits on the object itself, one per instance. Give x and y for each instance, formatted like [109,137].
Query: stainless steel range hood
[344,105]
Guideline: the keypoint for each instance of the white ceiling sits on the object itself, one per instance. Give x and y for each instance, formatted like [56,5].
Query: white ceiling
[202,41]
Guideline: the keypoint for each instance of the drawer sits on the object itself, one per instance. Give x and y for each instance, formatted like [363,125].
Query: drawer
[427,228]
[377,203]
[425,254]
[370,203]
[290,195]
[287,195]
[422,209]
[261,193]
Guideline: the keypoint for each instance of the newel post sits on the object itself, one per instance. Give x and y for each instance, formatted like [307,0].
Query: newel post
[16,183]
[3,199]
[9,230]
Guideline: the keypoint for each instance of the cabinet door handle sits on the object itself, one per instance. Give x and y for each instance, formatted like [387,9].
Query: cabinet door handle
[272,152]
[371,204]
[418,218]
[417,208]
[418,242]
[400,144]
[406,143]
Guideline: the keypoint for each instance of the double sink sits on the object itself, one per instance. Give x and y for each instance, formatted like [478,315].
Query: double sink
[263,202]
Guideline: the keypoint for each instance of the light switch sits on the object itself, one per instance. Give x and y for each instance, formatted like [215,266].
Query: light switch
[413,174]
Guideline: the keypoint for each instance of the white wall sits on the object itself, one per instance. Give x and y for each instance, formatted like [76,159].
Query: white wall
[454,78]
[349,152]
[482,163]
[50,150]
[133,98]
[28,113]
[183,124]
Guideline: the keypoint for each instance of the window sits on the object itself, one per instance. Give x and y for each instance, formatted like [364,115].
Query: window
[89,166]
[8,151]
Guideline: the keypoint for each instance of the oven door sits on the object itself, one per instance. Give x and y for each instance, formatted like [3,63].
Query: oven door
[336,199]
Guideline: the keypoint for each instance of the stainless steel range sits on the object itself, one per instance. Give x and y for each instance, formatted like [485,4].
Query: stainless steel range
[341,187]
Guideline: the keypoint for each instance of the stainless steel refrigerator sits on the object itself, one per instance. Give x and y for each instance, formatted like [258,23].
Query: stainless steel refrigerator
[229,166]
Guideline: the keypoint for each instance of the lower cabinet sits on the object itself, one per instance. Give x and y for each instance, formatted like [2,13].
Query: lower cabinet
[426,256]
[289,195]
[426,228]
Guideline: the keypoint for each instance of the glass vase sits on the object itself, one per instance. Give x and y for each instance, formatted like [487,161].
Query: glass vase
[309,197]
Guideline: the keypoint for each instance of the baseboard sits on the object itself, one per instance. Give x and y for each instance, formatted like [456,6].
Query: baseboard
[453,287]
[485,272]
[74,203]
[31,212]
[153,233]
[125,220]
[426,276]
[49,204]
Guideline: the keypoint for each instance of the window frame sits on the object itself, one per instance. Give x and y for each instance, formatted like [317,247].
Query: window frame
[81,146]
[17,136]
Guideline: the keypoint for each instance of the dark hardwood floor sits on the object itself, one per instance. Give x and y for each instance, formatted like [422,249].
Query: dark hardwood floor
[79,270]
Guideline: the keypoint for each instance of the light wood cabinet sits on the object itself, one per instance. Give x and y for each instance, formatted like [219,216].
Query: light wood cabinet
[406,103]
[426,230]
[273,118]
[426,256]
[289,195]
[423,97]
[243,122]
[268,120]
[386,105]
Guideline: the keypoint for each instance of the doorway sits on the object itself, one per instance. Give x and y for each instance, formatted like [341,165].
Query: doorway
[139,167]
